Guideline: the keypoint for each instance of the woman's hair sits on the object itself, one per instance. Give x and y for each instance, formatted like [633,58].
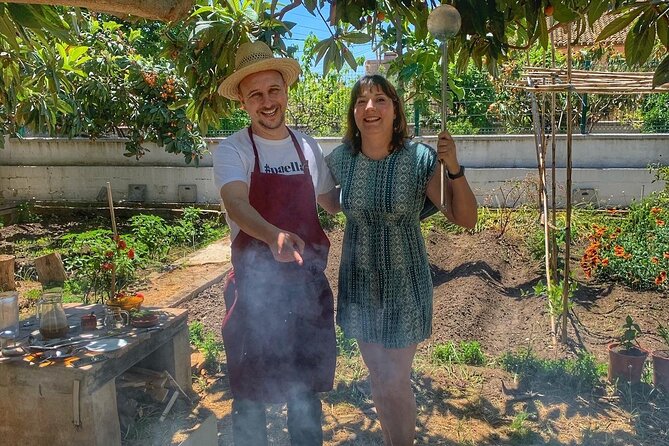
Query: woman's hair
[352,137]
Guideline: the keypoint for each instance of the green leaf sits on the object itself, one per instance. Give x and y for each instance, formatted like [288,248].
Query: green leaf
[24,15]
[596,9]
[350,60]
[663,32]
[8,31]
[201,10]
[134,35]
[618,24]
[543,32]
[324,47]
[563,13]
[661,75]
[639,43]
[357,38]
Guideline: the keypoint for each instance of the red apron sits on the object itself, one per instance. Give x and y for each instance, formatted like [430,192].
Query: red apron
[280,337]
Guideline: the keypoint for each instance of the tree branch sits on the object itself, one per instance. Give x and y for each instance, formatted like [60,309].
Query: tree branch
[165,10]
[279,15]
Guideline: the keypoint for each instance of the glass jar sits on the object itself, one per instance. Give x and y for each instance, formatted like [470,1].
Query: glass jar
[52,319]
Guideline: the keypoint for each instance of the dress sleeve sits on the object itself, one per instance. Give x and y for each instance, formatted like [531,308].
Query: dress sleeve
[427,162]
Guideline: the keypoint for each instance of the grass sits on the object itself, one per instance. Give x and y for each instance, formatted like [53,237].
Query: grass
[467,352]
[205,341]
[583,373]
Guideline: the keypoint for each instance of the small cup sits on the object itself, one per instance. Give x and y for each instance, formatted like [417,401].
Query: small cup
[88,322]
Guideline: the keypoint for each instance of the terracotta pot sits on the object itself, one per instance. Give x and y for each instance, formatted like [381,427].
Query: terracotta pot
[661,369]
[626,365]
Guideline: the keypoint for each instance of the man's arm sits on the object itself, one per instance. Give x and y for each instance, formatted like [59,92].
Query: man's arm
[285,246]
[330,201]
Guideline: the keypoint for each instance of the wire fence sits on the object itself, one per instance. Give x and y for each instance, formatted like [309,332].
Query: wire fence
[319,109]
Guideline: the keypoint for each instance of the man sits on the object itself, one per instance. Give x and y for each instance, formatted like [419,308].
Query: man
[279,329]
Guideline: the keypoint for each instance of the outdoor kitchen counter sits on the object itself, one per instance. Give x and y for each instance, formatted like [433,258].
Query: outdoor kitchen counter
[53,403]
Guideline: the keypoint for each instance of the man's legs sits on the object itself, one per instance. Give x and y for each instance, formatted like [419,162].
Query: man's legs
[249,425]
[304,420]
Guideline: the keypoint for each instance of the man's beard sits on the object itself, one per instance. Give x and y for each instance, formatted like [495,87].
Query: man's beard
[272,125]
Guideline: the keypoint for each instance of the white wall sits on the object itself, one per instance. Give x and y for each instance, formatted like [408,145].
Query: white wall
[613,166]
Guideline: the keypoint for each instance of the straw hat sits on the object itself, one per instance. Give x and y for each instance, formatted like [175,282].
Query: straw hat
[253,57]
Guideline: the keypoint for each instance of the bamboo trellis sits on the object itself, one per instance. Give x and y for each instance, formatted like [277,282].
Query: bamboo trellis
[557,80]
[545,80]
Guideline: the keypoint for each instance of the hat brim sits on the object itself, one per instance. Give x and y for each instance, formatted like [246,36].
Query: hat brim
[289,69]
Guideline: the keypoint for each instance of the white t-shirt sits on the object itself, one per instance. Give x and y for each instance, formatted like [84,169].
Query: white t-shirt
[234,161]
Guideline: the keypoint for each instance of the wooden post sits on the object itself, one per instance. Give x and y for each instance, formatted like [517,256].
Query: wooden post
[115,233]
[7,273]
[50,269]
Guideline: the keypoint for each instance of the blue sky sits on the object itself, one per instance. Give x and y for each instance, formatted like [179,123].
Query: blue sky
[309,24]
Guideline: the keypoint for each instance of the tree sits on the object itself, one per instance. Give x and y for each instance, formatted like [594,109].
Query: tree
[201,47]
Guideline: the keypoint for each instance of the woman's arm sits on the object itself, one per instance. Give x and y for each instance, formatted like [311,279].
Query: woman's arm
[460,207]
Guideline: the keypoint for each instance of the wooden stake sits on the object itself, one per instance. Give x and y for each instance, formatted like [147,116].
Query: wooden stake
[111,208]
[115,233]
[7,273]
[175,394]
[50,269]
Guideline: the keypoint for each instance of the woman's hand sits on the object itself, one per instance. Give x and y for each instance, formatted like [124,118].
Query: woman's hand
[447,153]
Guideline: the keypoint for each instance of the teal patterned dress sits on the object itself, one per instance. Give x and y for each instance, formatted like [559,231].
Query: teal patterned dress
[385,285]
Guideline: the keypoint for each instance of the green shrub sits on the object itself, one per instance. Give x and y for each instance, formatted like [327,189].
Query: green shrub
[205,341]
[152,232]
[655,113]
[633,250]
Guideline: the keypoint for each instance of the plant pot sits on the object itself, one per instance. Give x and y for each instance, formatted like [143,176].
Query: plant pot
[626,365]
[661,369]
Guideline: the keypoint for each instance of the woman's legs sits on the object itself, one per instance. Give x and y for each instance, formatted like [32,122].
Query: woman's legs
[390,375]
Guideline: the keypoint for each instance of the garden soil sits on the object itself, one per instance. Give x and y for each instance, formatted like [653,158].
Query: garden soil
[483,291]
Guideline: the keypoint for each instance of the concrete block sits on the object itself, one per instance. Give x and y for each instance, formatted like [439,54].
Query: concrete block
[137,192]
[585,195]
[187,193]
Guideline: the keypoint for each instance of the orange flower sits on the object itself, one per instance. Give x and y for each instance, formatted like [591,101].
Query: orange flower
[605,262]
[666,255]
[661,278]
[619,251]
[655,210]
[659,222]
[654,260]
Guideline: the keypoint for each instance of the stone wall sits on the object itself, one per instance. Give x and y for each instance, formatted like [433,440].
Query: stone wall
[608,170]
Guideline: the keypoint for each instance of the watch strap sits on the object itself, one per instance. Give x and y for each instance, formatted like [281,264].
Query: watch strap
[453,176]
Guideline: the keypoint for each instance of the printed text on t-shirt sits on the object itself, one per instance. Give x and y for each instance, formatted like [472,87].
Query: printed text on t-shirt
[289,168]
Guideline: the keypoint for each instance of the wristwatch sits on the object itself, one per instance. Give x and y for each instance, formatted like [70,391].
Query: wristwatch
[453,176]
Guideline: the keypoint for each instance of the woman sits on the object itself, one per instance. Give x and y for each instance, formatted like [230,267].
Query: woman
[385,286]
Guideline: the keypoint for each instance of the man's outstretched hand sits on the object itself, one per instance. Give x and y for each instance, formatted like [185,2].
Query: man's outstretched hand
[287,247]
